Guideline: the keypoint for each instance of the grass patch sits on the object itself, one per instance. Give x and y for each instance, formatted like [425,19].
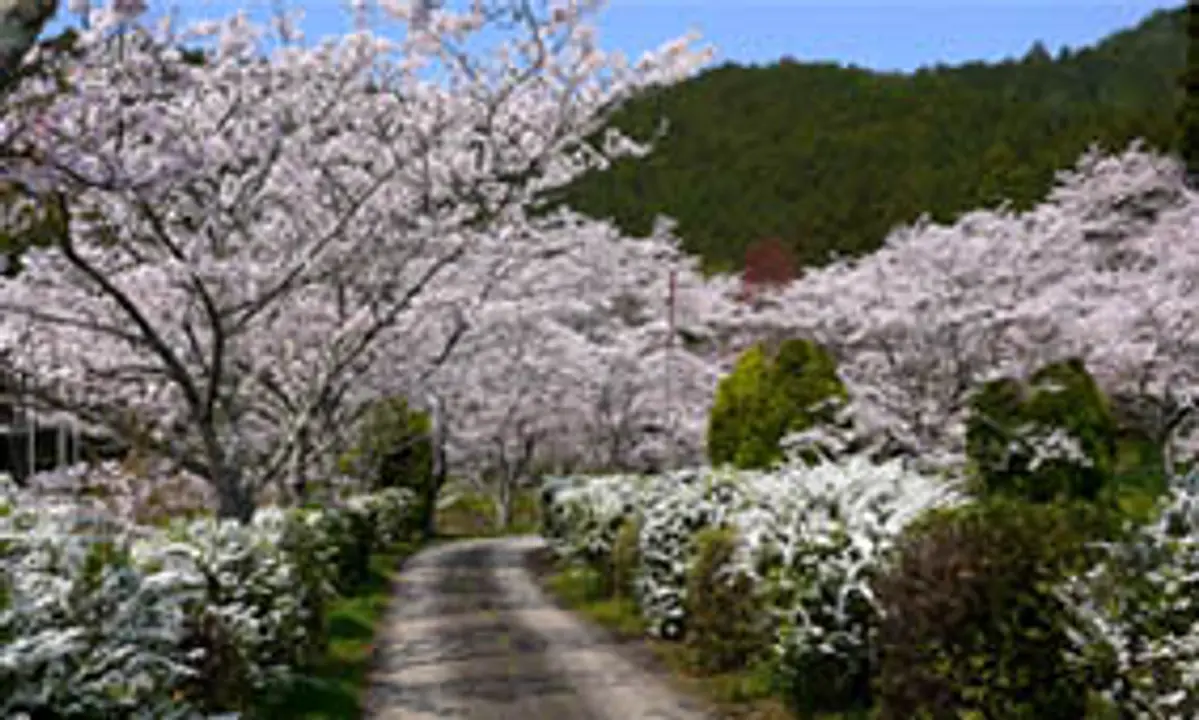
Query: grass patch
[336,687]
[743,695]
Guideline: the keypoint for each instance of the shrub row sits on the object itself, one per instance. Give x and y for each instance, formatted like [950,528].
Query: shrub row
[866,587]
[101,617]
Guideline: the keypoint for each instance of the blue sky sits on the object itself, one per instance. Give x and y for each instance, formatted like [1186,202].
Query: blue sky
[879,34]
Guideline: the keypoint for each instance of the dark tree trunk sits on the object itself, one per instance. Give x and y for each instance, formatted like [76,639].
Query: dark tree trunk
[433,488]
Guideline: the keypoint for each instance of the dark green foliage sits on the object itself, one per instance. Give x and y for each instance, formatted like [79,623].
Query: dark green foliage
[740,397]
[768,396]
[396,449]
[1188,121]
[724,623]
[830,158]
[1008,416]
[626,558]
[971,625]
[815,686]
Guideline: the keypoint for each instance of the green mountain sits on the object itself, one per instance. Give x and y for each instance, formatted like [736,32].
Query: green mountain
[828,158]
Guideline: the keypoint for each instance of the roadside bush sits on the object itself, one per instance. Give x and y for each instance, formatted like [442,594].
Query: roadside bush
[769,396]
[582,517]
[1050,437]
[972,623]
[675,509]
[1137,622]
[204,616]
[77,620]
[826,655]
[814,540]
[727,629]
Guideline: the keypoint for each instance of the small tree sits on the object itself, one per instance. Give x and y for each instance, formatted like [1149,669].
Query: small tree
[768,263]
[767,397]
[1052,436]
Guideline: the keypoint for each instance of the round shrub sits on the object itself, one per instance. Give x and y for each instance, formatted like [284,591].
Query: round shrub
[740,402]
[725,630]
[972,623]
[768,396]
[1052,436]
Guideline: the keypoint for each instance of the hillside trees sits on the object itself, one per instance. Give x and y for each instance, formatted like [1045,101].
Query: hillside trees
[830,158]
[249,238]
[1188,116]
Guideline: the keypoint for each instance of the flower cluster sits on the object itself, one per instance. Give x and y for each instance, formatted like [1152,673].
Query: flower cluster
[100,617]
[809,537]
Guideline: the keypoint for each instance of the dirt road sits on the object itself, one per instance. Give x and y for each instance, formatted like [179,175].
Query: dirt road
[471,636]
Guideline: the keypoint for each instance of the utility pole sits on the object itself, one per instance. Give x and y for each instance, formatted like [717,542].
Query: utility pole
[670,324]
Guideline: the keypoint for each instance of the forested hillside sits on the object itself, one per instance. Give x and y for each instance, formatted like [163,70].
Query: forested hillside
[828,158]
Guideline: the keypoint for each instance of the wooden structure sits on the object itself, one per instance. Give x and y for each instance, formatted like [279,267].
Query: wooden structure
[29,443]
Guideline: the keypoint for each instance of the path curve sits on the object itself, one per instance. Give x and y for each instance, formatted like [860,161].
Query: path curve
[471,636]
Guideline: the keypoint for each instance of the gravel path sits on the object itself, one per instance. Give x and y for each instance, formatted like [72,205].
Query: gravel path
[471,636]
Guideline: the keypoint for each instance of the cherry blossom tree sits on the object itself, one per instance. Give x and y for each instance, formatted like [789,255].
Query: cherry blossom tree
[248,239]
[565,364]
[1104,270]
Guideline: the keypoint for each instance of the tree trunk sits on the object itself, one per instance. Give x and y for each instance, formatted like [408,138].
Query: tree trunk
[233,500]
[433,488]
[503,505]
[298,475]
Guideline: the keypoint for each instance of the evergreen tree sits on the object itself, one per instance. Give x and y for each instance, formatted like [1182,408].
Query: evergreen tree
[828,159]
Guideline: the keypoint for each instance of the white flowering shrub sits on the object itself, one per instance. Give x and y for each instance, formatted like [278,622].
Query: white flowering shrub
[360,525]
[85,632]
[1138,613]
[676,507]
[100,617]
[808,536]
[252,629]
[583,514]
[815,540]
